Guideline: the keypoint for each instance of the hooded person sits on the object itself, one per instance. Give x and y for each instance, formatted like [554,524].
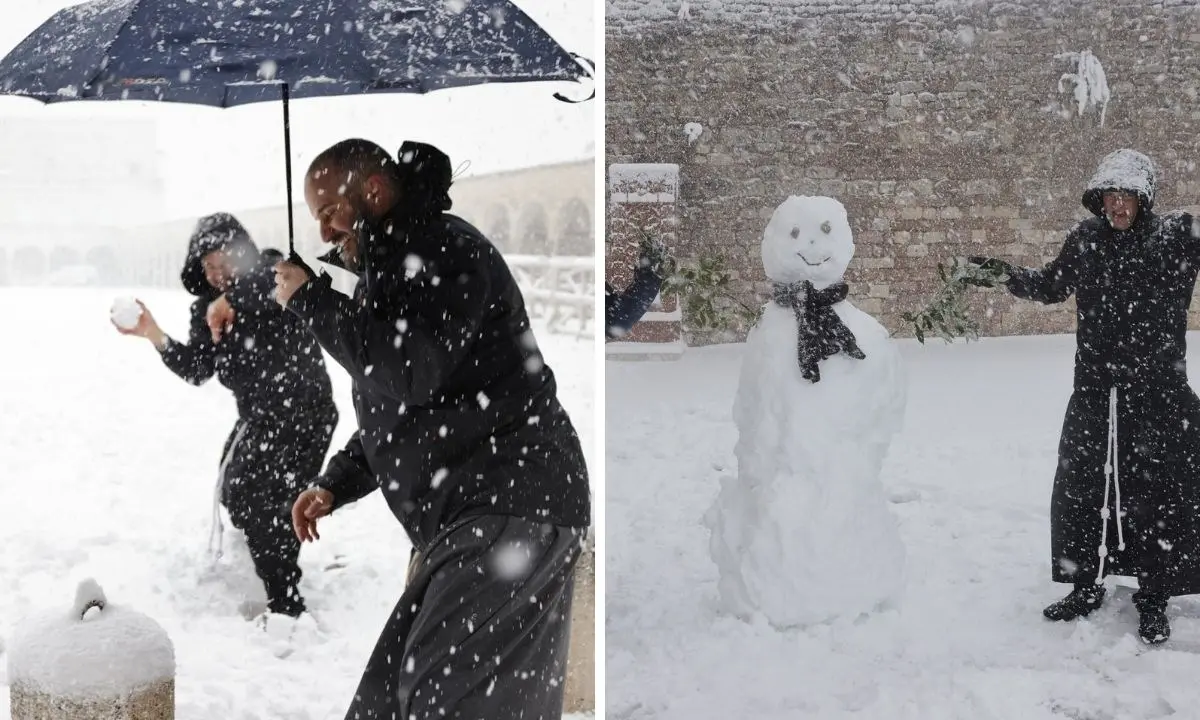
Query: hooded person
[276,372]
[1127,485]
[460,428]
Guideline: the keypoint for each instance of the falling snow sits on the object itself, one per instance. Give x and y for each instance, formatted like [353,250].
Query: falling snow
[151,556]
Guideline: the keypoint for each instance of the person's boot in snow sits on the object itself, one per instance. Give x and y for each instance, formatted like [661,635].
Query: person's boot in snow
[1154,627]
[284,632]
[1080,602]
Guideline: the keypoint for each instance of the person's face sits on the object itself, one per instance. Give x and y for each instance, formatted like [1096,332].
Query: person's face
[1120,208]
[334,200]
[340,202]
[218,269]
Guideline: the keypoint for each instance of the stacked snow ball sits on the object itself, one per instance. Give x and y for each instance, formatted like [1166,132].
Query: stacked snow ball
[95,660]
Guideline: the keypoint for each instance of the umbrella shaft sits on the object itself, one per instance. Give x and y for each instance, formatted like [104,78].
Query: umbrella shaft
[287,162]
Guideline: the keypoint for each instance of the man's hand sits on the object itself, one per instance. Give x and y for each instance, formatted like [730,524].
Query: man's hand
[654,255]
[312,504]
[988,266]
[289,277]
[220,318]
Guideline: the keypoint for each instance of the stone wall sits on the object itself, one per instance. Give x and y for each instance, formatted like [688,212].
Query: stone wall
[940,125]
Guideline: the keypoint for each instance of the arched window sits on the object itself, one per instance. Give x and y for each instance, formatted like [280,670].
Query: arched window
[28,265]
[104,260]
[576,226]
[534,237]
[61,257]
[499,228]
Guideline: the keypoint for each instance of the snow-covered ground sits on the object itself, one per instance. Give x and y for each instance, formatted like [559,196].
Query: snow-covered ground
[108,460]
[969,480]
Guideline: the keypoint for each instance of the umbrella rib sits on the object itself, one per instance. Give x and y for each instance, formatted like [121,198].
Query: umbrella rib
[104,61]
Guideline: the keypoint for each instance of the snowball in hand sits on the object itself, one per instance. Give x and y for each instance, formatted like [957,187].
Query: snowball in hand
[126,312]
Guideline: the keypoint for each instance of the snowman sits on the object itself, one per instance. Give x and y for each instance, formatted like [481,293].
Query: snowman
[803,534]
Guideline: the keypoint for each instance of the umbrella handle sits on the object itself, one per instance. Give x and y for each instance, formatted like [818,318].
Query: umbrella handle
[589,67]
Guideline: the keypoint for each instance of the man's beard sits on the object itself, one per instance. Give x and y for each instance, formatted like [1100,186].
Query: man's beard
[352,260]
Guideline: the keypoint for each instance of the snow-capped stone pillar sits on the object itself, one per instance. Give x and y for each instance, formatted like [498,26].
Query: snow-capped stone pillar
[580,692]
[95,660]
[642,200]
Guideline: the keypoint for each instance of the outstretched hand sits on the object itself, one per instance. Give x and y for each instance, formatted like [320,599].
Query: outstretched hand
[145,323]
[312,504]
[990,271]
[220,317]
[146,327]
[654,255]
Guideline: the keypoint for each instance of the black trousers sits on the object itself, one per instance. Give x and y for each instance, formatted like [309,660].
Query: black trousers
[265,465]
[481,630]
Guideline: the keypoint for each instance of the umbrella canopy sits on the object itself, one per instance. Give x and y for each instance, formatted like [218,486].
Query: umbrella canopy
[224,53]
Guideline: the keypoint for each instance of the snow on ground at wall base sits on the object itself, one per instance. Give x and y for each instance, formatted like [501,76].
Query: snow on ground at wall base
[969,481]
[108,462]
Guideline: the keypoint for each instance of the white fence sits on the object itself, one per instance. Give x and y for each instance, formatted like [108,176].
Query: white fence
[558,290]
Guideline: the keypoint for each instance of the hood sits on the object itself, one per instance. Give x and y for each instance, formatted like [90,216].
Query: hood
[219,231]
[1126,170]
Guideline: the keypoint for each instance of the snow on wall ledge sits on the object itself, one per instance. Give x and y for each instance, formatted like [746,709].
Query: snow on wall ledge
[110,652]
[635,14]
[643,182]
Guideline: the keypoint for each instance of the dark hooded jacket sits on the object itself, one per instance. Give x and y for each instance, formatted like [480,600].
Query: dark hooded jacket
[458,414]
[1132,409]
[268,360]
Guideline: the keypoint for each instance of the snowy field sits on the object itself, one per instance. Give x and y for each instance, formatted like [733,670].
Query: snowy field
[108,465]
[969,480]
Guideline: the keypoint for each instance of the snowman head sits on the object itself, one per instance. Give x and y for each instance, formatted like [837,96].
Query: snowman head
[808,238]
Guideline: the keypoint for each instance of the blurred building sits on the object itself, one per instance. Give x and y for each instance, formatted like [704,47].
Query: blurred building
[546,210]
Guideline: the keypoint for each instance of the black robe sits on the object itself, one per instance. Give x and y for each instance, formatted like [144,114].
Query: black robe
[1132,289]
[461,429]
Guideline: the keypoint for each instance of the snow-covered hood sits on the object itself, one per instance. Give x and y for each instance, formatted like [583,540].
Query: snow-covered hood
[215,232]
[1123,169]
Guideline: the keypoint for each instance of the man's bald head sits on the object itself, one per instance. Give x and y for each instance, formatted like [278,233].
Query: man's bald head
[356,158]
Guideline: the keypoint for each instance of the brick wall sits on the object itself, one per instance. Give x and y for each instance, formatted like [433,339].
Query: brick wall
[943,131]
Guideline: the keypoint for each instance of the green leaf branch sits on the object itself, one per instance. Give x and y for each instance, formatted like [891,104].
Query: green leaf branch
[947,314]
[705,297]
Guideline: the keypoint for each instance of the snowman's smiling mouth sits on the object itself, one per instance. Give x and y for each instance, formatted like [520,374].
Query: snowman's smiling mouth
[810,263]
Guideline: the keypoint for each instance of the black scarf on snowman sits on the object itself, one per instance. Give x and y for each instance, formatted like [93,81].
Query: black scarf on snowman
[822,333]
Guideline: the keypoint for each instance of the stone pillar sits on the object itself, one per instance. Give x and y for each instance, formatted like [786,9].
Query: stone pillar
[94,660]
[580,693]
[642,200]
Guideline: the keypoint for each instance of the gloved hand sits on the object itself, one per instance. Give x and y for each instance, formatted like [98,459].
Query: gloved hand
[654,255]
[991,266]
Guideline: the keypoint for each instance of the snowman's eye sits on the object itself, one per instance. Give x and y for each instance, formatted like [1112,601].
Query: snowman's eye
[795,233]
[826,227]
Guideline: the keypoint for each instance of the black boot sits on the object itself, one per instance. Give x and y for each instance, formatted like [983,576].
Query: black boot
[1154,627]
[1080,602]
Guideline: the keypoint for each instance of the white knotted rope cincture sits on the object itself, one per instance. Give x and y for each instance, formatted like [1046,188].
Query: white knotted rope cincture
[217,530]
[1112,480]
